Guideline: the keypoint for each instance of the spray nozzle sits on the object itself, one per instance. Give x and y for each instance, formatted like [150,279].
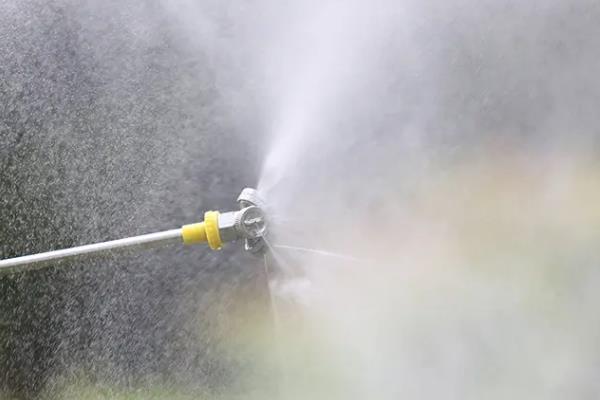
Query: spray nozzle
[248,223]
[252,221]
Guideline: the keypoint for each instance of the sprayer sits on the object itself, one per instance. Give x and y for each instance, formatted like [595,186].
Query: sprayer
[247,223]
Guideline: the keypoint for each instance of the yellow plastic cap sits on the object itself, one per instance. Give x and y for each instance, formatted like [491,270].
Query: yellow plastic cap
[211,226]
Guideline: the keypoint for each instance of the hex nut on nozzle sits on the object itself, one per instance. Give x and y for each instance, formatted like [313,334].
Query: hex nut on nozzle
[227,228]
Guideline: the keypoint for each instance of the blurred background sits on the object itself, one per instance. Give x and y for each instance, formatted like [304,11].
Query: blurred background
[431,173]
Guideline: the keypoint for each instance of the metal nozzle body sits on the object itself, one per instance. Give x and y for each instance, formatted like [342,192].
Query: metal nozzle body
[248,198]
[247,223]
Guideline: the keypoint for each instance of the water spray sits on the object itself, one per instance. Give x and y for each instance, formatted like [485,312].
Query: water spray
[247,223]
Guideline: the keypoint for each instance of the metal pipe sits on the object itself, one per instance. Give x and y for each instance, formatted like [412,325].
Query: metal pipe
[134,242]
